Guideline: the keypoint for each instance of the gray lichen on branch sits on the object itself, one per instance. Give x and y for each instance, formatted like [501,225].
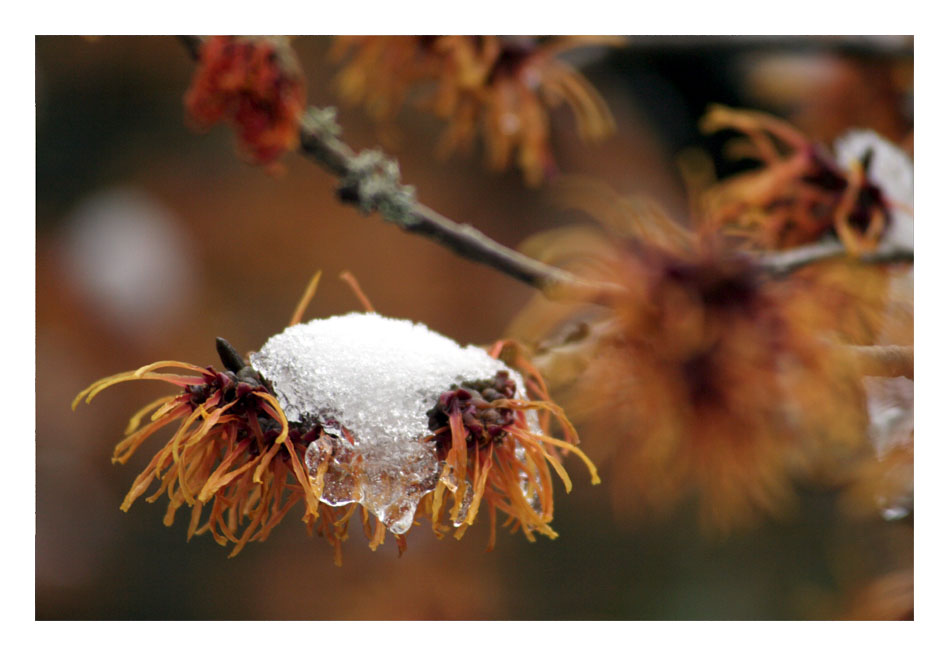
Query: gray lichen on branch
[373,184]
[371,181]
[368,179]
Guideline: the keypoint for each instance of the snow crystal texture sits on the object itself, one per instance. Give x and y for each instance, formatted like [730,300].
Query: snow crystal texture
[377,377]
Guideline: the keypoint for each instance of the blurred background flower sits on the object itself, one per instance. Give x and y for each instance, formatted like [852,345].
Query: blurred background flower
[255,84]
[707,378]
[499,87]
[229,247]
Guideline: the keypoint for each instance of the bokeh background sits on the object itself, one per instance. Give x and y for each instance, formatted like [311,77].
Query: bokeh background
[151,240]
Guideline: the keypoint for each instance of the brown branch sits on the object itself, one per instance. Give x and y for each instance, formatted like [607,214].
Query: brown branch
[783,263]
[887,361]
[370,181]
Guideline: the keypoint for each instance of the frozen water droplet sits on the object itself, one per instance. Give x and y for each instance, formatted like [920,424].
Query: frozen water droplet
[529,489]
[464,507]
[340,479]
[450,480]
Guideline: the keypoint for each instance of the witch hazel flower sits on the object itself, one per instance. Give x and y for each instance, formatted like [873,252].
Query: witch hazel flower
[861,194]
[356,415]
[503,88]
[256,85]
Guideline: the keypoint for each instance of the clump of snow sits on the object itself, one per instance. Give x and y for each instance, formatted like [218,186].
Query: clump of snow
[376,377]
[891,170]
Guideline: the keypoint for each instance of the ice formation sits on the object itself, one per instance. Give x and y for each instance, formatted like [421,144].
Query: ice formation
[890,169]
[376,377]
[891,426]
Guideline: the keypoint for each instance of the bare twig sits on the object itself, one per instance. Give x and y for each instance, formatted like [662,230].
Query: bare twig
[370,181]
[783,263]
[886,361]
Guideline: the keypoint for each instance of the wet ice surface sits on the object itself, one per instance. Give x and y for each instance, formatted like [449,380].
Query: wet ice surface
[377,377]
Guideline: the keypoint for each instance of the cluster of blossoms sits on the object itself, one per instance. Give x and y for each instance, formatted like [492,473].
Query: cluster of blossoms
[350,414]
[502,86]
[256,84]
[704,377]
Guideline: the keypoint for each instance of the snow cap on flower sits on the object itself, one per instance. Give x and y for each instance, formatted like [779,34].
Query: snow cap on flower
[891,170]
[376,377]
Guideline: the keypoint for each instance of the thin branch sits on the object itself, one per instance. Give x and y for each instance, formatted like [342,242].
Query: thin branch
[887,361]
[783,263]
[371,181]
